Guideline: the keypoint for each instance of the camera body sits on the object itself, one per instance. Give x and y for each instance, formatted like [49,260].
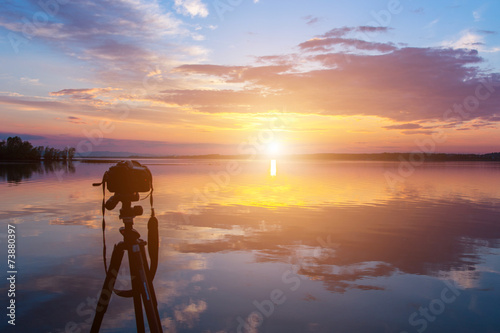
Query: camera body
[128,177]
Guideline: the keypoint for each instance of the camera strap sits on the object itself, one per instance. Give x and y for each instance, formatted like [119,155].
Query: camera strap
[104,226]
[153,238]
[103,183]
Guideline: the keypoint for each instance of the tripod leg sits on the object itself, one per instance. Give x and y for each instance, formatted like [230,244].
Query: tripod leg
[148,274]
[107,287]
[146,291]
[139,317]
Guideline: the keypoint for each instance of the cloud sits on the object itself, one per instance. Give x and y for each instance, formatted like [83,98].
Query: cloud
[75,120]
[83,94]
[30,102]
[27,80]
[424,132]
[115,51]
[10,93]
[326,44]
[119,40]
[235,73]
[406,84]
[419,10]
[191,8]
[480,124]
[341,32]
[431,24]
[216,70]
[286,59]
[105,18]
[408,126]
[190,314]
[88,96]
[338,36]
[487,32]
[311,20]
[469,39]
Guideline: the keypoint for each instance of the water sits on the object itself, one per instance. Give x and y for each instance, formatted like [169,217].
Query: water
[317,247]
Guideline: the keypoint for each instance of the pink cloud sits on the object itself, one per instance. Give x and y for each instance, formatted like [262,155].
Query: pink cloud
[235,73]
[406,85]
[82,94]
[340,32]
[408,126]
[325,44]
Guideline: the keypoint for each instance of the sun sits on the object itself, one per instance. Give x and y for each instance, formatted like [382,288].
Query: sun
[274,148]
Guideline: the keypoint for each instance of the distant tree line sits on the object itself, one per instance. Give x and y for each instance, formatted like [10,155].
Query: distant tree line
[435,157]
[14,148]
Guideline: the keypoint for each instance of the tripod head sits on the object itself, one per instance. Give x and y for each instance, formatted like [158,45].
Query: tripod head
[127,211]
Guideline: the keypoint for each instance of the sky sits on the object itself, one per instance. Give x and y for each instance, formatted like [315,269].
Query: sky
[252,76]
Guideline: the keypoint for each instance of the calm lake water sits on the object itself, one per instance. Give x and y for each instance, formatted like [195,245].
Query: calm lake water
[320,247]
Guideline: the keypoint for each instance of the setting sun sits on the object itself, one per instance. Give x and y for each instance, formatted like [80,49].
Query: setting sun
[274,148]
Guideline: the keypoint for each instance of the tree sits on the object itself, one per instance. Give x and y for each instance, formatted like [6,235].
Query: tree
[48,154]
[39,151]
[17,149]
[64,154]
[71,153]
[3,150]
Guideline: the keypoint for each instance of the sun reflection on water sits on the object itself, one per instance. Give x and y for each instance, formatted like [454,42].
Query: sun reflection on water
[273,168]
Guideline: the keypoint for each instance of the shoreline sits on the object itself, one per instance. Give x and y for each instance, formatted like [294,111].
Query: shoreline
[389,157]
[381,157]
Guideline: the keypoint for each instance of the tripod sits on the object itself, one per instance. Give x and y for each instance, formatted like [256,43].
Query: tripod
[142,284]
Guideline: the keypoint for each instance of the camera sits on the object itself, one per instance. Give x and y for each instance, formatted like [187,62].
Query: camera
[128,177]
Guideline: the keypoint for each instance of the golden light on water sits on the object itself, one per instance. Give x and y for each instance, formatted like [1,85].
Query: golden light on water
[327,183]
[273,168]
